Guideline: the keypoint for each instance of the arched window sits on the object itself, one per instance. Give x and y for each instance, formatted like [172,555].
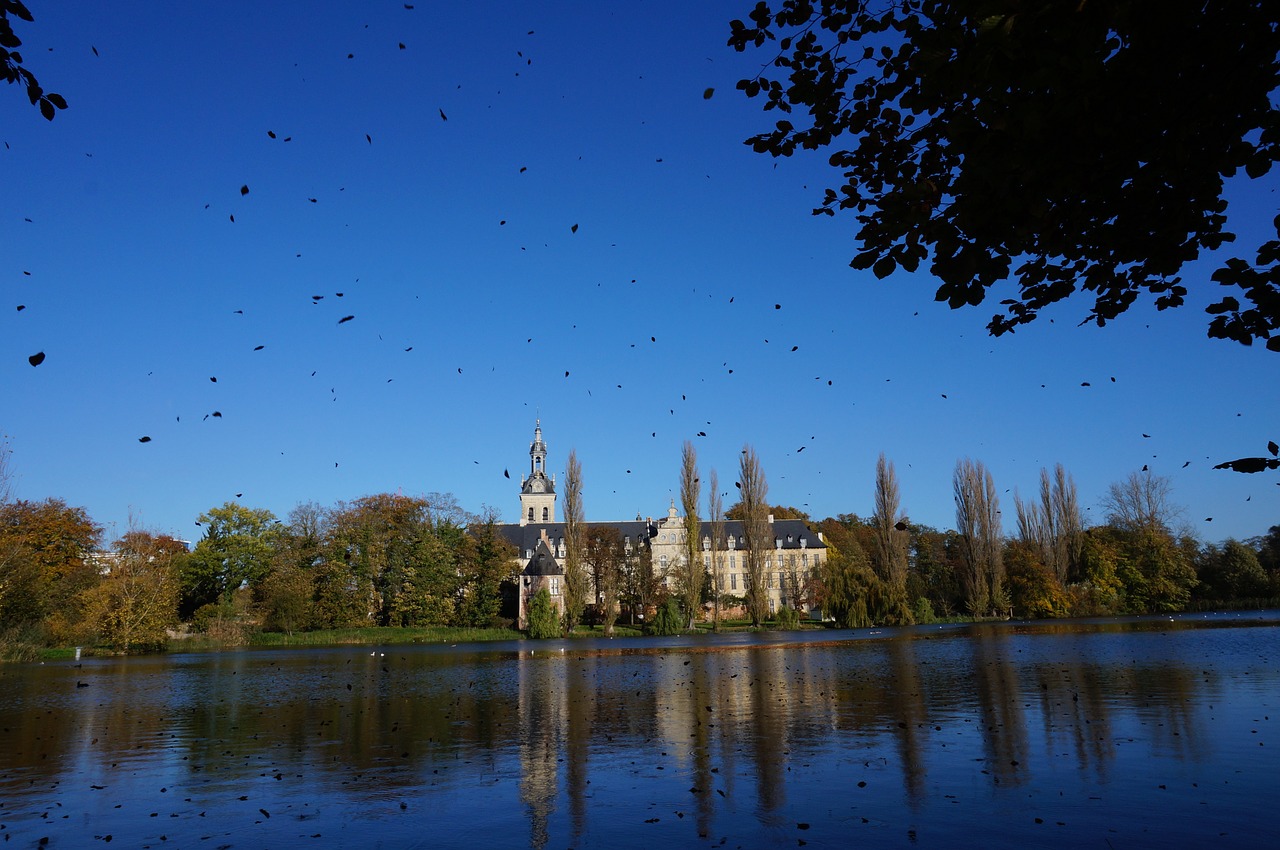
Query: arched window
[545,516]
[530,514]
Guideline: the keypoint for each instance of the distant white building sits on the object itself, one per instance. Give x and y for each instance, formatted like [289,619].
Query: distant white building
[790,565]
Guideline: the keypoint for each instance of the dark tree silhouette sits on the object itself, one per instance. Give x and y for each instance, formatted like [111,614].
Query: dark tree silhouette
[1063,145]
[11,62]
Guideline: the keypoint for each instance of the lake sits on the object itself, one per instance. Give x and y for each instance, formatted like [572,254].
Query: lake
[1101,733]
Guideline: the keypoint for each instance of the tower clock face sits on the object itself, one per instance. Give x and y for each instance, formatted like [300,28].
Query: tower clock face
[536,486]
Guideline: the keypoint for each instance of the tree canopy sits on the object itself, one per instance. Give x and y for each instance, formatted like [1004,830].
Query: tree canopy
[1055,145]
[11,62]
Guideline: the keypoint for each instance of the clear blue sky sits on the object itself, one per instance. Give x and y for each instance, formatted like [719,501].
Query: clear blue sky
[660,307]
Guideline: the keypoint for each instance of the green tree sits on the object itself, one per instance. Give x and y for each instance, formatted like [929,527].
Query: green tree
[543,622]
[1068,146]
[486,561]
[850,590]
[754,494]
[235,552]
[893,539]
[286,596]
[406,558]
[669,620]
[575,573]
[1233,572]
[693,571]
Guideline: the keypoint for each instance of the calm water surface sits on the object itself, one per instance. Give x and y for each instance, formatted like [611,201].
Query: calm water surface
[1131,733]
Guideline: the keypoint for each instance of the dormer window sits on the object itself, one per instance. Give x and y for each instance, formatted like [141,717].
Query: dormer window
[777,542]
[804,541]
[731,540]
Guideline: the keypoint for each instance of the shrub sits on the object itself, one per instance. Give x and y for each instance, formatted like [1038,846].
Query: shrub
[668,620]
[544,622]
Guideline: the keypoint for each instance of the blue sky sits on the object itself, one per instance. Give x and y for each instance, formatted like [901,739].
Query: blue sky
[695,269]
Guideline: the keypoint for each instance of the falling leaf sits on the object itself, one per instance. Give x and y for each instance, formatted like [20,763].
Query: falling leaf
[1250,464]
[345,319]
[147,440]
[36,359]
[706,95]
[244,190]
[573,229]
[258,347]
[443,117]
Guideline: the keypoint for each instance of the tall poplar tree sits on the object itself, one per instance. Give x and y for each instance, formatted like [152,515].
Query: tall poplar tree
[691,578]
[892,539]
[755,528]
[575,572]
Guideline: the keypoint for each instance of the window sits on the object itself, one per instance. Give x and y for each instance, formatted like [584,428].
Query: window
[555,586]
[706,562]
[545,515]
[733,581]
[530,514]
[731,541]
[804,559]
[768,579]
[733,562]
[777,542]
[662,562]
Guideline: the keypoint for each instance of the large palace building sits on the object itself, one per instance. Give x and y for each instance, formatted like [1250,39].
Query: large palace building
[796,556]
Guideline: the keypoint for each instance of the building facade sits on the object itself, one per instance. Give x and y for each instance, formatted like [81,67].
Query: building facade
[790,567]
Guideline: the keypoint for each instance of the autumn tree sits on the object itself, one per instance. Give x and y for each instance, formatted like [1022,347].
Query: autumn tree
[1067,147]
[754,495]
[692,571]
[575,573]
[892,541]
[1152,565]
[136,602]
[640,587]
[46,568]
[604,554]
[978,522]
[715,516]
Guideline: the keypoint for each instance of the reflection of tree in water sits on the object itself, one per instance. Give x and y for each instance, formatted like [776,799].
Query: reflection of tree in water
[702,695]
[768,689]
[541,712]
[1004,732]
[580,696]
[904,695]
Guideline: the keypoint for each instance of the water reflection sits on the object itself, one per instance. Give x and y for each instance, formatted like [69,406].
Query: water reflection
[912,735]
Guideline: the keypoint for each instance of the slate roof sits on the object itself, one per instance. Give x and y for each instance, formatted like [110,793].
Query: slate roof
[543,563]
[788,531]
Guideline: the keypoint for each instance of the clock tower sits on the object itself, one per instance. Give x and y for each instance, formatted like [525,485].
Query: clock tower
[537,491]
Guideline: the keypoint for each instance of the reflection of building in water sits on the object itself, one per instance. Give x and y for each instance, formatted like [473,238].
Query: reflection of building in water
[791,565]
[542,713]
